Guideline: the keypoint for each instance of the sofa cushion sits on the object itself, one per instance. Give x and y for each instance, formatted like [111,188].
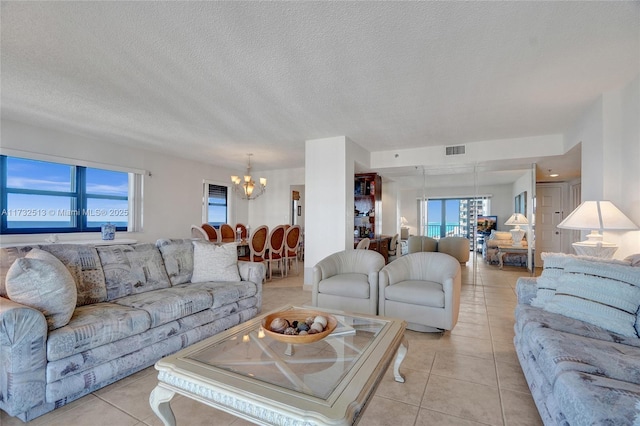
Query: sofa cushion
[213,262]
[178,259]
[554,265]
[132,269]
[169,304]
[224,293]
[606,295]
[347,285]
[417,292]
[41,281]
[95,325]
[8,255]
[84,264]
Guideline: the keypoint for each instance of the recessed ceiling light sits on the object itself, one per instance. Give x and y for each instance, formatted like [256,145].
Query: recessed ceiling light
[554,175]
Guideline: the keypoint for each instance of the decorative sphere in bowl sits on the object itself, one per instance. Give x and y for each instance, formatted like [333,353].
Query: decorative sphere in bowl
[300,315]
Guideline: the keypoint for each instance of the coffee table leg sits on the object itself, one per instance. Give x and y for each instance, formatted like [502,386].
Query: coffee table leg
[159,400]
[402,352]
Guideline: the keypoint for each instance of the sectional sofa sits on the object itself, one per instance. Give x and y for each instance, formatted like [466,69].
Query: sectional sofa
[576,336]
[75,318]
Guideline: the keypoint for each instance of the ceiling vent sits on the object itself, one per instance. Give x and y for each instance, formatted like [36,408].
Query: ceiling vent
[455,150]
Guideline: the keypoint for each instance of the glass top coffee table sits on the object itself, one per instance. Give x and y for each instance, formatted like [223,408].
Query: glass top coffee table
[249,374]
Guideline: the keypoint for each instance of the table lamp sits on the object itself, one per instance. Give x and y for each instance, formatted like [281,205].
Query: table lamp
[596,216]
[517,234]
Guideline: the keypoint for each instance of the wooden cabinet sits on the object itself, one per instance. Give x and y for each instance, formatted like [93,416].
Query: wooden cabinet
[368,205]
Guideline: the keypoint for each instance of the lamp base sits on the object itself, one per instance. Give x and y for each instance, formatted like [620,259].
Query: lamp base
[517,235]
[595,249]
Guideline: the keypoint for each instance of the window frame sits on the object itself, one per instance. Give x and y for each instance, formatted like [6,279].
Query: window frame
[227,204]
[78,194]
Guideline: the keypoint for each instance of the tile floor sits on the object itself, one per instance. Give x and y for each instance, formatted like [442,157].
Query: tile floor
[469,376]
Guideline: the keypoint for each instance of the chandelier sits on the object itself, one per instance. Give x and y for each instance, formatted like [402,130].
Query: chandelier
[248,190]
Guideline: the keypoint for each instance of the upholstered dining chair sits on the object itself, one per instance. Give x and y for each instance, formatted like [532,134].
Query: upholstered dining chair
[275,250]
[227,234]
[212,233]
[198,232]
[393,247]
[348,281]
[243,230]
[291,244]
[363,244]
[257,245]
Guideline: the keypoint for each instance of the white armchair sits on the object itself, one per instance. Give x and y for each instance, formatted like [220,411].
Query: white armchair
[423,289]
[348,281]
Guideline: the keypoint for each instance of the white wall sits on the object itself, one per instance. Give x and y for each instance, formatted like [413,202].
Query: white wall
[274,207]
[610,135]
[172,199]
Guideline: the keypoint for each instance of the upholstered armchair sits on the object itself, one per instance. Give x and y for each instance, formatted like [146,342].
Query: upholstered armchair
[420,243]
[458,247]
[423,289]
[348,281]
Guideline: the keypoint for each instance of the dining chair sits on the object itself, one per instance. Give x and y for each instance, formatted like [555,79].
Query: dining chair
[364,244]
[243,230]
[275,251]
[227,234]
[393,247]
[214,235]
[257,245]
[198,232]
[291,244]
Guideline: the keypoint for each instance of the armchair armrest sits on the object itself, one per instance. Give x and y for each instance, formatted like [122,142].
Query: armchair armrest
[23,356]
[256,273]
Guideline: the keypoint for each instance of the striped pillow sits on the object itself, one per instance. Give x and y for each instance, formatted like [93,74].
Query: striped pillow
[603,294]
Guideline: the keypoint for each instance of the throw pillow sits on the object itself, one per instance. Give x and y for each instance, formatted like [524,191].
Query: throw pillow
[634,259]
[603,294]
[215,263]
[42,281]
[553,267]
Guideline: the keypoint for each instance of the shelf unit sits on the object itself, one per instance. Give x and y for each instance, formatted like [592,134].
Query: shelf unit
[367,204]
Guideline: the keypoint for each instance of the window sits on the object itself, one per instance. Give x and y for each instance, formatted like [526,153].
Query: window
[217,207]
[448,217]
[47,197]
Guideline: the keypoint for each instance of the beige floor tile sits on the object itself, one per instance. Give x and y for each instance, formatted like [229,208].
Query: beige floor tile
[511,377]
[479,331]
[464,367]
[471,346]
[519,409]
[419,356]
[464,399]
[190,412]
[387,412]
[409,392]
[432,418]
[133,398]
[473,318]
[505,352]
[93,411]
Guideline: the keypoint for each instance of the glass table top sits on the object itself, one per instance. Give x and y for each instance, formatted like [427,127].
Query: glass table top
[315,369]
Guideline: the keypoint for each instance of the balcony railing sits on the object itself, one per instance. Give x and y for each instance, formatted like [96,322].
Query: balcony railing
[436,231]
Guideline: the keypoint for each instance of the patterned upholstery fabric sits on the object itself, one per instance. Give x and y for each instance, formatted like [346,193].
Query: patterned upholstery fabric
[104,342]
[132,269]
[178,259]
[95,325]
[578,372]
[8,255]
[168,304]
[84,264]
[41,281]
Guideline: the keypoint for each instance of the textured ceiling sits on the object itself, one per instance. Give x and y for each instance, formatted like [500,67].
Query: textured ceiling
[216,80]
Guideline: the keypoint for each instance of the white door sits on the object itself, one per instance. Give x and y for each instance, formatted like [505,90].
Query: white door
[548,215]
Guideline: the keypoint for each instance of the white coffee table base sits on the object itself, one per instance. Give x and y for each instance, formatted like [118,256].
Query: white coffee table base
[236,404]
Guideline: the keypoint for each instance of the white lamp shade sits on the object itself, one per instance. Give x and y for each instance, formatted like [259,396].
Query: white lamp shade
[517,219]
[597,215]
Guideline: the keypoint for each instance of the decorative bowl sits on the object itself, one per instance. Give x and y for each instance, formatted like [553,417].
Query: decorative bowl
[298,315]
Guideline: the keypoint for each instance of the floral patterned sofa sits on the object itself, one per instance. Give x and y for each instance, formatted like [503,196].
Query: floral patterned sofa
[576,337]
[75,318]
[490,249]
